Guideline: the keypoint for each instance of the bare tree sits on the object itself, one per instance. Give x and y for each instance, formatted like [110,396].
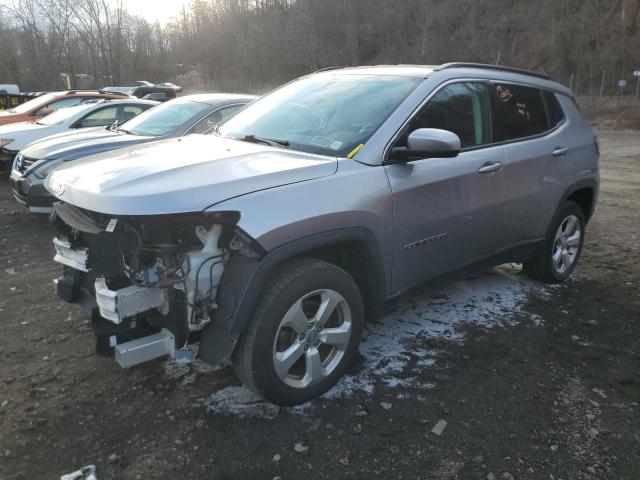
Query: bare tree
[253,44]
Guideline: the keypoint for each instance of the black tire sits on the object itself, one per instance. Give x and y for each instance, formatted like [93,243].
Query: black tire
[542,266]
[253,359]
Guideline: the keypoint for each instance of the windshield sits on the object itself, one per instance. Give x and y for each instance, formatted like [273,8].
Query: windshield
[56,118]
[324,114]
[32,104]
[165,118]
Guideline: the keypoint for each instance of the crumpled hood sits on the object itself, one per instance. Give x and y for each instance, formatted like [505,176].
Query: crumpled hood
[76,144]
[180,175]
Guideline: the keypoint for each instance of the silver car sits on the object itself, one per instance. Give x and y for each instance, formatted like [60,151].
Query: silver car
[316,206]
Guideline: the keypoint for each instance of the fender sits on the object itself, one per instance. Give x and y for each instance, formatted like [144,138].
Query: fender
[244,280]
[590,183]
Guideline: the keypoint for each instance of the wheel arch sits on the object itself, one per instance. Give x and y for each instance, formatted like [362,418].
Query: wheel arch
[584,193]
[353,249]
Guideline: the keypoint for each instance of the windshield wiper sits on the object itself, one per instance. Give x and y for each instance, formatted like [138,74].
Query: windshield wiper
[267,141]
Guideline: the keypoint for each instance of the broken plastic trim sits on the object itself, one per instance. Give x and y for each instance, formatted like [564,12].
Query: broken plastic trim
[77,219]
[246,244]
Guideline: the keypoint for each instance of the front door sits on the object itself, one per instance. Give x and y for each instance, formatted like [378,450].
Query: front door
[447,212]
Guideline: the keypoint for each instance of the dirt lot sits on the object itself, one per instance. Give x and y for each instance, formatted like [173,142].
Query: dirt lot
[533,382]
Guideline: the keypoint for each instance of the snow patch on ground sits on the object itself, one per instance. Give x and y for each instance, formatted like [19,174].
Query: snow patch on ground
[492,299]
[393,352]
[239,400]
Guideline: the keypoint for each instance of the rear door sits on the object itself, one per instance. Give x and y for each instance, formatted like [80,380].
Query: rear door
[530,127]
[446,210]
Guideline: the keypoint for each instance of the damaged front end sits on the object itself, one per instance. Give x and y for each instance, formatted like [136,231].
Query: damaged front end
[150,283]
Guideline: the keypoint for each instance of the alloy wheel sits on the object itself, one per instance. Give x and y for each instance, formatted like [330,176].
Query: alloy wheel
[566,244]
[312,338]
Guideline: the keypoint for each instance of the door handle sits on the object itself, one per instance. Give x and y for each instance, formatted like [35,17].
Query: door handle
[490,167]
[560,151]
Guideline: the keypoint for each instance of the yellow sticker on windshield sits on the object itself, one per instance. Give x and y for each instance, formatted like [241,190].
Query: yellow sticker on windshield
[355,151]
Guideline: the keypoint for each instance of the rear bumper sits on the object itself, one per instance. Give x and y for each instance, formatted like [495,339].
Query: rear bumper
[31,193]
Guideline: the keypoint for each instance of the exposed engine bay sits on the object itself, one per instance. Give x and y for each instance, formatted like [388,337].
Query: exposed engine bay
[149,282]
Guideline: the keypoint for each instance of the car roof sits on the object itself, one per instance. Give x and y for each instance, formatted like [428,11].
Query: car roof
[456,70]
[215,99]
[95,106]
[87,93]
[139,101]
[418,71]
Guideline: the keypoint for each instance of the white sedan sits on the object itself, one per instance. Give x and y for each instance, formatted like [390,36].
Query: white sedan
[14,137]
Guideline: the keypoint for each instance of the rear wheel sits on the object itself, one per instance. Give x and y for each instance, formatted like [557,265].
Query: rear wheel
[304,334]
[562,248]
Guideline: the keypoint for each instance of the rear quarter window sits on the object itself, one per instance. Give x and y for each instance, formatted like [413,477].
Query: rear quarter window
[520,112]
[556,114]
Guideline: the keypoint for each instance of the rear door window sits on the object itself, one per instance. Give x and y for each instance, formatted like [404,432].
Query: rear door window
[520,112]
[556,115]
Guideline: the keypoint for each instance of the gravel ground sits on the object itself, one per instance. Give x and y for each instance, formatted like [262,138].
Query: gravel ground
[528,381]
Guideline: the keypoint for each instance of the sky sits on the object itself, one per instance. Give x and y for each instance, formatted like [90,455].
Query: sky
[154,10]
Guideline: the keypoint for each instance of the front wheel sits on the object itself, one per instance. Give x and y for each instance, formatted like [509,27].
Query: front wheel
[304,334]
[562,247]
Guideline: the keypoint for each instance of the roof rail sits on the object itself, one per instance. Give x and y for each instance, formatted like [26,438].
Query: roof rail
[500,68]
[76,90]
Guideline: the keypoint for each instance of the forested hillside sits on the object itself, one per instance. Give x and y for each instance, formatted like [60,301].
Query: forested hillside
[254,44]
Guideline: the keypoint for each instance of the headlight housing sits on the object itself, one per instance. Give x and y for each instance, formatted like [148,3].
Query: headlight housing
[5,141]
[16,161]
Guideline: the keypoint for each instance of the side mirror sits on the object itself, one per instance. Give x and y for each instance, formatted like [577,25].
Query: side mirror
[427,143]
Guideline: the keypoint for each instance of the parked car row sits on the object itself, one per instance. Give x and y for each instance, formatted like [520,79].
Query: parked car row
[96,113]
[44,104]
[143,89]
[128,127]
[271,239]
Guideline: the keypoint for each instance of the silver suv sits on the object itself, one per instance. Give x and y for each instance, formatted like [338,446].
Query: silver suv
[270,243]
